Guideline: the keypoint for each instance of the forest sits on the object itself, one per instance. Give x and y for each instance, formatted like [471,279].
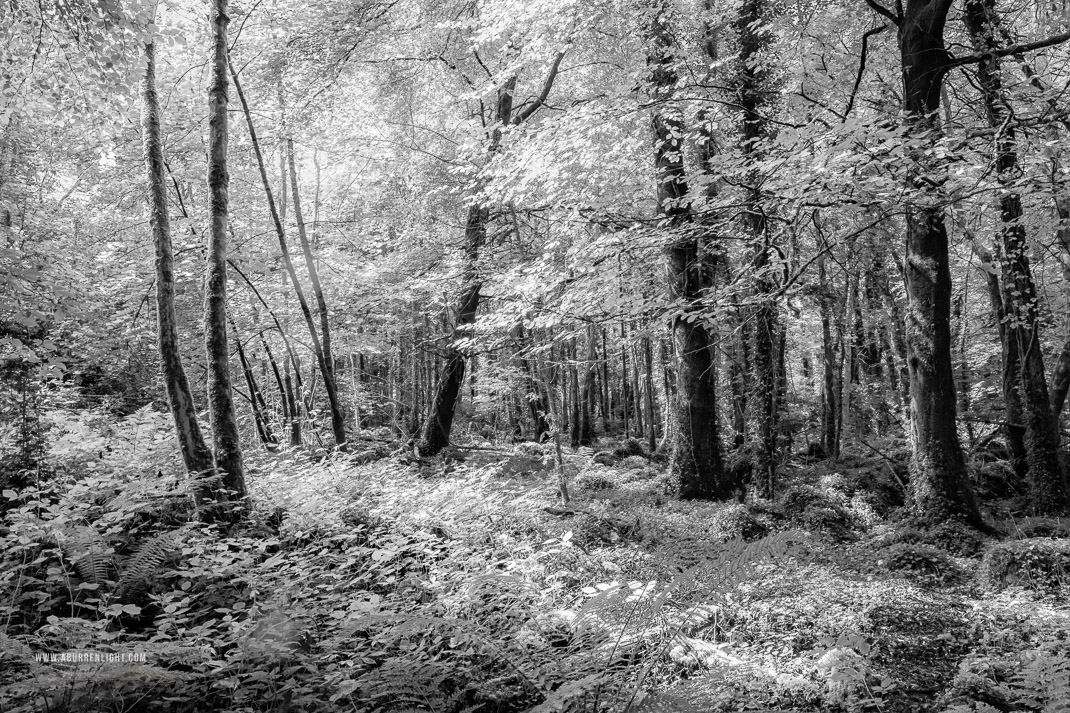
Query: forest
[534,356]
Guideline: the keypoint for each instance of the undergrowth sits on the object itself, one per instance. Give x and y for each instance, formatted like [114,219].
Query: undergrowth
[371,587]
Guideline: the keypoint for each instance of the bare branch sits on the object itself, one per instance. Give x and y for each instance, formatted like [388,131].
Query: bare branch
[882,10]
[531,108]
[861,68]
[1012,50]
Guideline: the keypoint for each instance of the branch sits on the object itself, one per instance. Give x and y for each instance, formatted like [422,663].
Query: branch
[531,108]
[882,10]
[1012,50]
[861,68]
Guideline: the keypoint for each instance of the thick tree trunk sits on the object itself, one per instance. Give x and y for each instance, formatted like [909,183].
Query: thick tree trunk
[1060,381]
[1047,478]
[939,484]
[696,461]
[195,452]
[287,262]
[754,94]
[220,397]
[330,385]
[436,431]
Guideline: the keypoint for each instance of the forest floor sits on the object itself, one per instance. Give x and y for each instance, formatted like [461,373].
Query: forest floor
[379,582]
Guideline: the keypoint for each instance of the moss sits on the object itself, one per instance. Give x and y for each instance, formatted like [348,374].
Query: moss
[1036,563]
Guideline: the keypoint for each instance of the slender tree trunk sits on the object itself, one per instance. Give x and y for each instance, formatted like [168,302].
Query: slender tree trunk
[939,485]
[195,451]
[1020,300]
[696,461]
[220,397]
[1013,430]
[330,385]
[287,261]
[829,431]
[256,399]
[587,393]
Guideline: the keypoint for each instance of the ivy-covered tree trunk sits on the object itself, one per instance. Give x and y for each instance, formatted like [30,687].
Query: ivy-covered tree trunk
[225,436]
[938,482]
[1020,300]
[696,462]
[1013,430]
[196,454]
[754,95]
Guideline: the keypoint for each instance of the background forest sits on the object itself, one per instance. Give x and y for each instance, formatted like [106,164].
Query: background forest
[491,356]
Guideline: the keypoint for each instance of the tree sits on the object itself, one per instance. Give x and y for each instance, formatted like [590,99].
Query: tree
[696,462]
[1021,304]
[196,454]
[225,435]
[938,481]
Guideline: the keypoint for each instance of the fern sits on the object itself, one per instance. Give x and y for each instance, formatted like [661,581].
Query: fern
[143,566]
[86,548]
[1043,683]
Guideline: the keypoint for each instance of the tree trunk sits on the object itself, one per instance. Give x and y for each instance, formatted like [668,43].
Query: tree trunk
[287,261]
[436,431]
[939,485]
[330,385]
[587,390]
[754,94]
[256,399]
[696,461]
[195,452]
[1013,430]
[1020,300]
[829,431]
[220,397]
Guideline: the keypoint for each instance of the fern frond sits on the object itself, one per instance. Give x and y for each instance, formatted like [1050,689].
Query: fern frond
[88,551]
[140,569]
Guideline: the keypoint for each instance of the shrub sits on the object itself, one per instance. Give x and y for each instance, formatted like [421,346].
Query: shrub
[593,482]
[952,536]
[630,447]
[1037,563]
[737,520]
[918,559]
[1033,527]
[815,510]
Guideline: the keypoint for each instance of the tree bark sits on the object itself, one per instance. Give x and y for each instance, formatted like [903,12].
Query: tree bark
[1048,487]
[753,93]
[939,484]
[225,436]
[436,431]
[195,451]
[696,461]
